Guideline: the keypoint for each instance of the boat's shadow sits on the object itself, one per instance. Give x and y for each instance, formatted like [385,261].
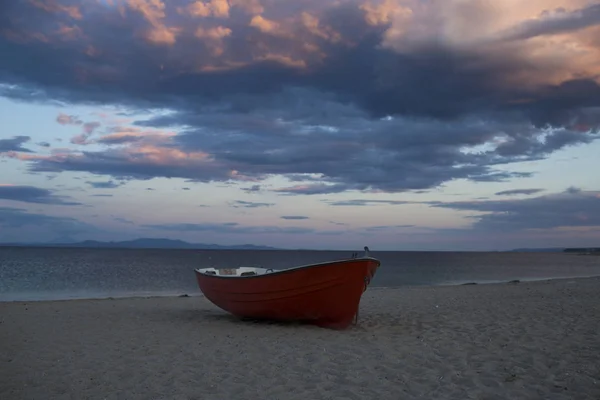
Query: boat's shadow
[223,319]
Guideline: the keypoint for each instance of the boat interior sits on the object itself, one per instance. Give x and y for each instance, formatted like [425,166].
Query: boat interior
[254,271]
[236,272]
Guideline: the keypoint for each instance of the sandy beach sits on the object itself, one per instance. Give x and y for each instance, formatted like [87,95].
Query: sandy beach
[528,340]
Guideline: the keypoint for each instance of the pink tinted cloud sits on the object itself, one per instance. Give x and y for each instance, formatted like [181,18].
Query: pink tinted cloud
[65,119]
[298,39]
[153,11]
[90,127]
[132,151]
[129,135]
[55,7]
[72,32]
[214,8]
[110,119]
[225,36]
[118,135]
[88,130]
[135,160]
[488,28]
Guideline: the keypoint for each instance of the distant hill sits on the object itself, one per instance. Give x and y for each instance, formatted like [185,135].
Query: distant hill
[540,250]
[143,243]
[586,250]
[560,250]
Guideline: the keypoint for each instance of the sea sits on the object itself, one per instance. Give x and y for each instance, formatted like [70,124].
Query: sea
[32,274]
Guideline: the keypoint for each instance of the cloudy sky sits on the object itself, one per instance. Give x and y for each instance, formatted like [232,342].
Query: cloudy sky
[330,124]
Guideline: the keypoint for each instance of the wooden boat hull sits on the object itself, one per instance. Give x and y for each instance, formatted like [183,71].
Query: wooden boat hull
[326,294]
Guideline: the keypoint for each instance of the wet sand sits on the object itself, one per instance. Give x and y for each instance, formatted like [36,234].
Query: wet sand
[528,340]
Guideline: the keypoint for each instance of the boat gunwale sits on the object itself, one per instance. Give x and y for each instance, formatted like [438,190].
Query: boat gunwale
[288,270]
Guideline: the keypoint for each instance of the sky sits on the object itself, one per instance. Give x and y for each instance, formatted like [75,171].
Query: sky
[330,124]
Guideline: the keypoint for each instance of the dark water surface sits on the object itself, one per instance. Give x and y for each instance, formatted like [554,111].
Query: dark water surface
[62,273]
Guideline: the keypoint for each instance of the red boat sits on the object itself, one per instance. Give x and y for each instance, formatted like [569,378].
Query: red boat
[325,294]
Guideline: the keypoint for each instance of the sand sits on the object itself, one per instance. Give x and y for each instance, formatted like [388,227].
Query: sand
[534,340]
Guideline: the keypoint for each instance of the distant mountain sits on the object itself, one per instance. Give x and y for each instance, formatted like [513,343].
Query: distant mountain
[143,243]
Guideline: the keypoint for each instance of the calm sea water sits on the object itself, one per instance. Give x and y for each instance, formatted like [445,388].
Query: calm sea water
[59,273]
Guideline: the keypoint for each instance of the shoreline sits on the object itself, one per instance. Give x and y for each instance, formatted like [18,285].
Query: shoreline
[371,288]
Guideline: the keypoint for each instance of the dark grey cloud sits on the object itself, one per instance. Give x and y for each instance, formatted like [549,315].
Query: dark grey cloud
[500,176]
[571,208]
[119,139]
[252,189]
[43,144]
[320,188]
[18,218]
[518,191]
[331,233]
[387,227]
[455,112]
[230,227]
[119,164]
[104,185]
[338,223]
[556,21]
[14,144]
[294,217]
[249,204]
[302,178]
[366,202]
[329,153]
[123,220]
[32,194]
[431,80]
